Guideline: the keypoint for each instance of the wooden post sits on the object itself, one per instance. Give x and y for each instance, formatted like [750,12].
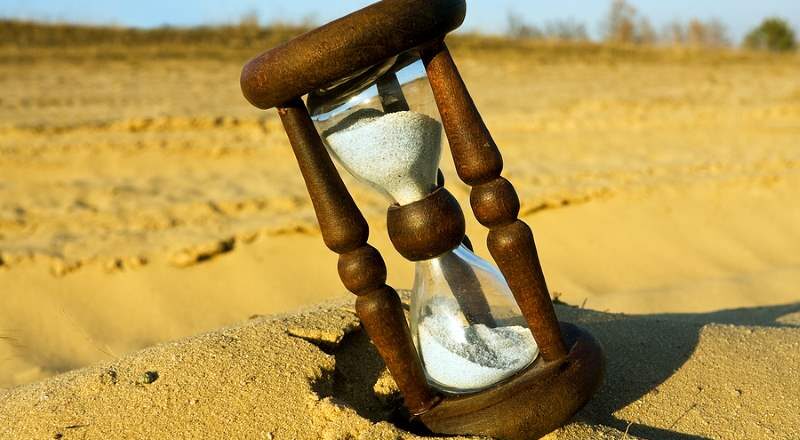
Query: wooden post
[494,200]
[361,267]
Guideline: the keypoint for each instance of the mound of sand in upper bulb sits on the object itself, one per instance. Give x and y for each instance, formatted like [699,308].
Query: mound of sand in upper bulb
[315,375]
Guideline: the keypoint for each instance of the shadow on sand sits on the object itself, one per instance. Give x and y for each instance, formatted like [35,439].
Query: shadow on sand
[642,351]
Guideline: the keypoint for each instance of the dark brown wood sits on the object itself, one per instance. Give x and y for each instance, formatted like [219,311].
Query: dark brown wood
[494,201]
[439,177]
[468,243]
[476,156]
[530,404]
[426,228]
[440,182]
[391,93]
[361,267]
[343,227]
[513,249]
[362,270]
[345,46]
[381,314]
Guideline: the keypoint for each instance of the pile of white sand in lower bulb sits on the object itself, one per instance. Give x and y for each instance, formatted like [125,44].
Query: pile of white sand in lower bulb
[471,357]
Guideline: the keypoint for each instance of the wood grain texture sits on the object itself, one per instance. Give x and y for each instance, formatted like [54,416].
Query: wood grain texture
[342,225]
[476,156]
[358,41]
[426,228]
[513,249]
[361,266]
[495,203]
[530,404]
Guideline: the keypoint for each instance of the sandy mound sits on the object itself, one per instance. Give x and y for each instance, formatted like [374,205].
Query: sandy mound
[148,201]
[314,375]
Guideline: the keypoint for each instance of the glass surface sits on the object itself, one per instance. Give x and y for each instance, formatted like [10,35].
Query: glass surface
[467,327]
[382,125]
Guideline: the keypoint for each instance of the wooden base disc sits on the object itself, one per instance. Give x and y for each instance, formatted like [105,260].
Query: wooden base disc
[532,403]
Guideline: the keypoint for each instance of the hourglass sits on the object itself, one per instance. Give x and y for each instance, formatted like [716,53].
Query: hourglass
[382,126]
[482,351]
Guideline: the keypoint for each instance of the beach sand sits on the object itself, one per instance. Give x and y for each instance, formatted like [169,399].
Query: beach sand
[144,201]
[314,375]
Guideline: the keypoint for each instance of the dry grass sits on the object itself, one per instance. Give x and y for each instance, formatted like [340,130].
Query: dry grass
[544,51]
[37,35]
[22,41]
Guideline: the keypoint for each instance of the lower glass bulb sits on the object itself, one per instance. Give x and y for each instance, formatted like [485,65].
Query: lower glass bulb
[468,330]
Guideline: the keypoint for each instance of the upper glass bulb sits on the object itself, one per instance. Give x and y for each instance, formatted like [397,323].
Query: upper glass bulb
[383,126]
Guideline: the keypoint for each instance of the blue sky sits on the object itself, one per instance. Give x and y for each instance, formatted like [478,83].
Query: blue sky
[486,15]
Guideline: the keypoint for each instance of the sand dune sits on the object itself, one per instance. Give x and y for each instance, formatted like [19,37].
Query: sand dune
[314,375]
[131,162]
[143,201]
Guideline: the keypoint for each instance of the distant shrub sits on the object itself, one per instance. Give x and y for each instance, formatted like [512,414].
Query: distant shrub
[774,34]
[518,28]
[560,30]
[250,20]
[566,30]
[696,33]
[712,33]
[623,25]
[620,25]
[248,33]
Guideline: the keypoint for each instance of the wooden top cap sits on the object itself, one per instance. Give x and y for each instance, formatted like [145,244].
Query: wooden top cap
[343,47]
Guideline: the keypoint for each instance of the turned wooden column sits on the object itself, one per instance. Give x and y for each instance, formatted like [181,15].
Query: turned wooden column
[361,267]
[494,200]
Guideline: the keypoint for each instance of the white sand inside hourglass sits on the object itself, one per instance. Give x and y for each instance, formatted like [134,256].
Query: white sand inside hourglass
[474,356]
[397,152]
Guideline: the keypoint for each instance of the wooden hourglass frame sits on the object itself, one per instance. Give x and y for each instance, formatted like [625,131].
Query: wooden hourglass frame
[570,367]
